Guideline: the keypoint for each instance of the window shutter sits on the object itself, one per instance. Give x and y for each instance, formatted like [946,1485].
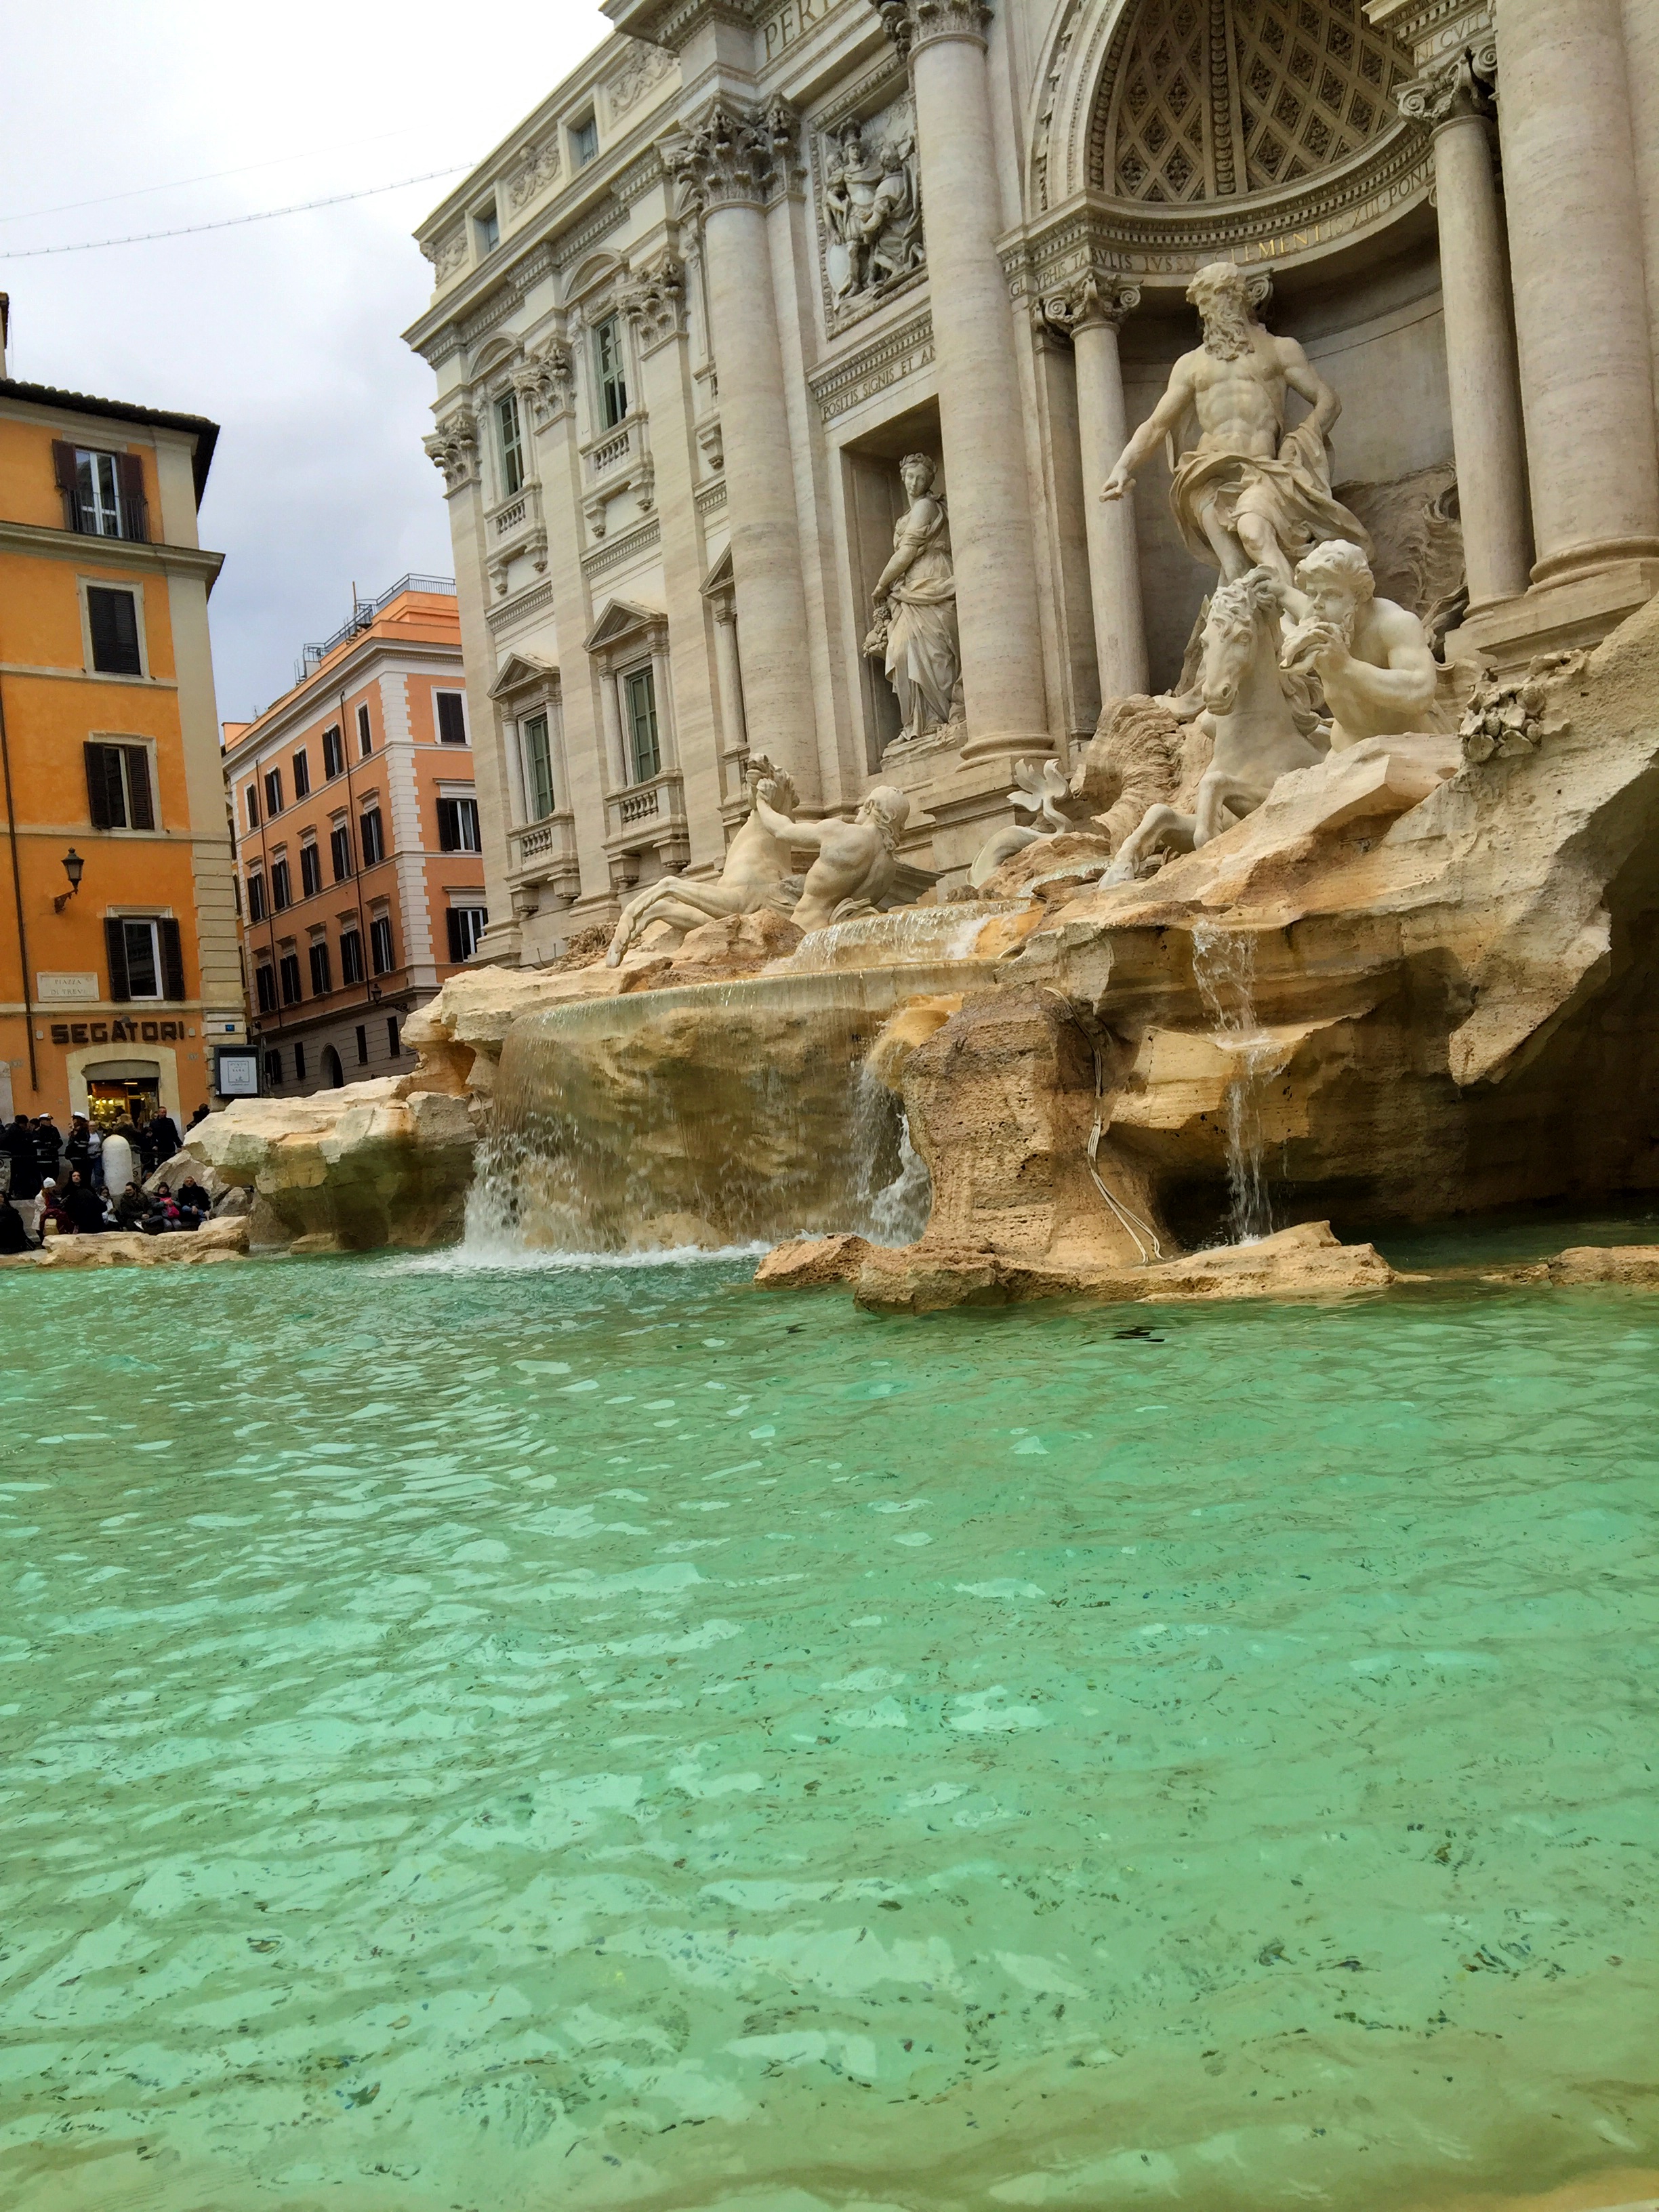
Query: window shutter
[115,946]
[63,468]
[172,960]
[453,919]
[140,805]
[98,766]
[134,507]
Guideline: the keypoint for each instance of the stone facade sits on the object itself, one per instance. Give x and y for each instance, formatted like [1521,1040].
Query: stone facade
[697,314]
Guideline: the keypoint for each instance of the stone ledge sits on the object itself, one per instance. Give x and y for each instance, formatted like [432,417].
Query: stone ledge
[215,1240]
[1305,1261]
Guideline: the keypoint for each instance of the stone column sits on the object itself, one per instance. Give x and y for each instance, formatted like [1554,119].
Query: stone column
[980,412]
[1454,97]
[1576,260]
[734,737]
[730,166]
[1641,76]
[1093,309]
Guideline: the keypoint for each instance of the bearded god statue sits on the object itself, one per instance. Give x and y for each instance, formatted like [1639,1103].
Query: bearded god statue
[1246,492]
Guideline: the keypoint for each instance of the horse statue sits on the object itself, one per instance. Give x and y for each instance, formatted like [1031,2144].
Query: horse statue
[753,876]
[1262,720]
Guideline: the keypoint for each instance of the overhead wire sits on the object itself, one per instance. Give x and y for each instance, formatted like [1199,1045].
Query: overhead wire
[184,184]
[232,222]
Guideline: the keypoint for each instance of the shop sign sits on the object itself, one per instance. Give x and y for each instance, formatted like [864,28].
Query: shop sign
[117,1032]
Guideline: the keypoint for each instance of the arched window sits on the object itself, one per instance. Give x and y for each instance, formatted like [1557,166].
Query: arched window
[333,1073]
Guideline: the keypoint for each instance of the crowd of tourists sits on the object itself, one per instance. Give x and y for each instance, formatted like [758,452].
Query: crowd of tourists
[86,1182]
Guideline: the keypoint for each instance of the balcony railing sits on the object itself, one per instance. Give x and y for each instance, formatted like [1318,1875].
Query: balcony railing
[646,814]
[362,614]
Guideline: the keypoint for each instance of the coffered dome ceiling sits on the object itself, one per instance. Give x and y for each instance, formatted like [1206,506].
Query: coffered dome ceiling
[1211,98]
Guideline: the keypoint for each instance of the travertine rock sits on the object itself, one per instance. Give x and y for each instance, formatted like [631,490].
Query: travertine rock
[374,1164]
[214,1240]
[1634,1265]
[1306,1262]
[1454,976]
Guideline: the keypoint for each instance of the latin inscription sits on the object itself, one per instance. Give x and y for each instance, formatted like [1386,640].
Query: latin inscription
[791,20]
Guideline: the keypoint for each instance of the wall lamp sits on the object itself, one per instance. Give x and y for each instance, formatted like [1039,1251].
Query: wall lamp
[73,864]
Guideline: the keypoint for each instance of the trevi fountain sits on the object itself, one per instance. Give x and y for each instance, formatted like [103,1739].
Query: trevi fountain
[550,1677]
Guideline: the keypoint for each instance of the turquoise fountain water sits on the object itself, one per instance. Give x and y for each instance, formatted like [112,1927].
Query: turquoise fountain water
[579,1737]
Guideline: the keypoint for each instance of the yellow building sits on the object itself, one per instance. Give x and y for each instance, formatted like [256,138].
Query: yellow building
[119,970]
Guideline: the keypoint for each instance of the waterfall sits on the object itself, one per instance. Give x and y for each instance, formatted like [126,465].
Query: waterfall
[1224,967]
[710,1115]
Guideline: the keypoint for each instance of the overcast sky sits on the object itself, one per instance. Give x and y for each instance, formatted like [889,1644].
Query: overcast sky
[286,333]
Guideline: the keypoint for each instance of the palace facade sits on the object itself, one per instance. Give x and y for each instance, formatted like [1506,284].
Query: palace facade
[691,317]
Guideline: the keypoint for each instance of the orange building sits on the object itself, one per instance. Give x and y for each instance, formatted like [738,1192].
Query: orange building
[357,842]
[118,968]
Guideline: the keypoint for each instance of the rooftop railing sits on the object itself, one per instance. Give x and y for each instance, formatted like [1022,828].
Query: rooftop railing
[362,614]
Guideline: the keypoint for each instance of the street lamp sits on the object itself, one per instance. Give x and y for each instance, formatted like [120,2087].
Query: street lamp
[73,865]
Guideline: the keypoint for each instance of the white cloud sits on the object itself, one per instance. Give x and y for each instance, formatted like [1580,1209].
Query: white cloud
[286,333]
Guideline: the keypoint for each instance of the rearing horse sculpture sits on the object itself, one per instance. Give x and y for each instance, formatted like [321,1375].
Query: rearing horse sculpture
[1260,729]
[752,877]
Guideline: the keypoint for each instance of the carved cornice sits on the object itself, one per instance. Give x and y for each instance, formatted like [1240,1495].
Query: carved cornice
[454,448]
[849,383]
[627,547]
[520,607]
[914,24]
[737,159]
[673,22]
[1459,87]
[1433,28]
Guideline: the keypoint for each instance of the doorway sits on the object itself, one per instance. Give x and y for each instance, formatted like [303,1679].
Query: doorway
[112,1100]
[333,1073]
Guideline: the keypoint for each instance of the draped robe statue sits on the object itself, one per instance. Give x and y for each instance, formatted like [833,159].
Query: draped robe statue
[915,607]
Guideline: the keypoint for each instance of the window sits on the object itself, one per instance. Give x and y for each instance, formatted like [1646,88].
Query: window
[118,787]
[256,898]
[288,968]
[640,703]
[146,958]
[392,1044]
[372,837]
[299,1063]
[333,754]
[302,774]
[273,1069]
[322,982]
[282,888]
[538,766]
[452,717]
[251,795]
[365,737]
[584,142]
[113,619]
[362,1046]
[487,227]
[103,493]
[351,956]
[380,943]
[457,826]
[273,790]
[466,926]
[264,978]
[311,871]
[339,848]
[608,365]
[507,418]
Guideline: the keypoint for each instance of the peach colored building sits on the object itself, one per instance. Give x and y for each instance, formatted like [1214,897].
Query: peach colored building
[357,844]
[117,933]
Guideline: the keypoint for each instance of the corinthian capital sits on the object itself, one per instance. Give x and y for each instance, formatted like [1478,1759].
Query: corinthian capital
[737,159]
[1088,301]
[1455,88]
[912,24]
[452,448]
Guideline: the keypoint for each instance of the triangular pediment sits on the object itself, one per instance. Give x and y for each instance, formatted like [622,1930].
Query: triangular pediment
[720,577]
[520,671]
[621,619]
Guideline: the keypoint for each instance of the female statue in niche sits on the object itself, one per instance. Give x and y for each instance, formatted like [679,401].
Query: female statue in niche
[915,608]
